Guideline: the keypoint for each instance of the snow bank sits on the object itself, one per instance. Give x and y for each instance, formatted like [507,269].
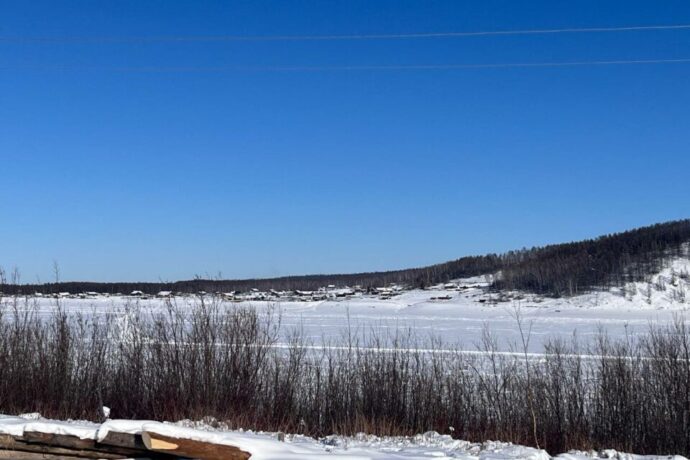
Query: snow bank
[13,426]
[16,426]
[267,446]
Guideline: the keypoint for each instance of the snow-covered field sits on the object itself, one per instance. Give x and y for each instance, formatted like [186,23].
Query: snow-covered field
[457,315]
[269,446]
[460,319]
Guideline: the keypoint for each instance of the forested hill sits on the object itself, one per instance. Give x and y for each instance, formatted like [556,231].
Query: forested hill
[556,270]
[610,260]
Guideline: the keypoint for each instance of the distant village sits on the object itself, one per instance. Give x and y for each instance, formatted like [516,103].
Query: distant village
[330,292]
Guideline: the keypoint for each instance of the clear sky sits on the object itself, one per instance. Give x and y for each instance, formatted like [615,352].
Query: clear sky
[146,160]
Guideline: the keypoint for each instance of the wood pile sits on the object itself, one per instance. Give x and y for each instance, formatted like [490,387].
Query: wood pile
[146,445]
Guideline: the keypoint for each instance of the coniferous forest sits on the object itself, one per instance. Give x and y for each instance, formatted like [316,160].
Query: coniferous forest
[555,270]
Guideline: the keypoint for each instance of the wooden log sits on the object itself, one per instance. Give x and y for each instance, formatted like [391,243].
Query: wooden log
[123,444]
[19,455]
[191,448]
[132,441]
[51,439]
[8,443]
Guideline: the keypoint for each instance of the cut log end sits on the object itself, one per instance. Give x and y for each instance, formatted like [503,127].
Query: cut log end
[158,444]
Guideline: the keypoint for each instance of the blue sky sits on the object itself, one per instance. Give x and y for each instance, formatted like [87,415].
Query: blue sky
[122,174]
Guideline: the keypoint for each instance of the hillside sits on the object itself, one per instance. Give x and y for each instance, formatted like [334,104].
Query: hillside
[601,263]
[556,270]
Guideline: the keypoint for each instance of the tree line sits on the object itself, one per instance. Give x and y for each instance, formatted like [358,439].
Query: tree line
[556,270]
[610,260]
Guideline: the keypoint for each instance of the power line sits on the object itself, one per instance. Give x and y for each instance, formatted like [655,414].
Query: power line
[394,67]
[258,38]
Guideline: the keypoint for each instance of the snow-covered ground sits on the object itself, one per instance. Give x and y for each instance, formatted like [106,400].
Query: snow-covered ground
[457,316]
[274,446]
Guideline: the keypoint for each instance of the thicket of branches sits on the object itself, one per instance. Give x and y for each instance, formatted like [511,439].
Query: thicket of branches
[631,395]
[557,270]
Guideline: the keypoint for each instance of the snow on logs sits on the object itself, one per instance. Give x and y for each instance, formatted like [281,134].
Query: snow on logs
[24,439]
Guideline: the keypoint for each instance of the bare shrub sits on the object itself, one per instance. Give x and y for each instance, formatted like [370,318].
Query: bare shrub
[226,362]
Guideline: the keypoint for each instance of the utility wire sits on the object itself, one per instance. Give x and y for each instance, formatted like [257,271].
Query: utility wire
[402,67]
[259,38]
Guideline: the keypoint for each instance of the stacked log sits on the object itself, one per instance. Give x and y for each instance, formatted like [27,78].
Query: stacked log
[146,445]
[191,448]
